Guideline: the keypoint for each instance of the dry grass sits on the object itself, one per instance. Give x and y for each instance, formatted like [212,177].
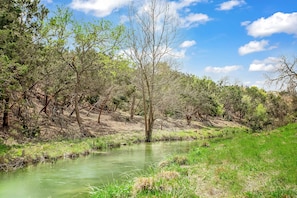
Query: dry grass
[168,175]
[143,184]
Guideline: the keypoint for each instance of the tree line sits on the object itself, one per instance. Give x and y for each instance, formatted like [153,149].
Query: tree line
[50,64]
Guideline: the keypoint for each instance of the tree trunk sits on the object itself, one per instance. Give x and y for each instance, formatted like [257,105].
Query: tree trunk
[148,133]
[103,104]
[99,115]
[5,123]
[78,119]
[46,103]
[132,109]
[149,129]
[146,122]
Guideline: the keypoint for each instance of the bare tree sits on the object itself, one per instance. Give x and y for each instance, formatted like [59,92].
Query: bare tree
[151,36]
[285,74]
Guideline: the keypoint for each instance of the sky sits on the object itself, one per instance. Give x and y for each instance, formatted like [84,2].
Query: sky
[237,40]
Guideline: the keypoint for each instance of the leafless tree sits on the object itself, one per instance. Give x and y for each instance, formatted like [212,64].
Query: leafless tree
[151,37]
[285,74]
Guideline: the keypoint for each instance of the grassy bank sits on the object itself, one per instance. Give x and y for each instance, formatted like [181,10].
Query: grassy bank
[15,156]
[247,165]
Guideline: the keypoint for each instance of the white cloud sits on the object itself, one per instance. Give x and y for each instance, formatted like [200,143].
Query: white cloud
[181,9]
[255,46]
[194,20]
[47,1]
[277,23]
[245,23]
[178,54]
[225,69]
[99,8]
[187,44]
[185,3]
[229,5]
[268,64]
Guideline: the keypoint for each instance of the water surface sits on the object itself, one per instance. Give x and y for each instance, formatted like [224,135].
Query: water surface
[72,178]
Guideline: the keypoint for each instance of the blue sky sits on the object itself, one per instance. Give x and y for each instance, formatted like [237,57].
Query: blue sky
[237,39]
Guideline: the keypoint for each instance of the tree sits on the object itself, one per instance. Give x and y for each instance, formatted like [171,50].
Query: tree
[151,35]
[231,99]
[87,49]
[277,109]
[20,25]
[197,98]
[285,74]
[256,116]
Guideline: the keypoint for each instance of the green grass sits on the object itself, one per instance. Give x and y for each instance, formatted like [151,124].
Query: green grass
[243,165]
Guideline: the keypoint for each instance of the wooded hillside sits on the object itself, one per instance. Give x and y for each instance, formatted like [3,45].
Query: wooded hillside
[52,69]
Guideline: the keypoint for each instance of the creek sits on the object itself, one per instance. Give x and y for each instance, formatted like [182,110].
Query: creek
[73,178]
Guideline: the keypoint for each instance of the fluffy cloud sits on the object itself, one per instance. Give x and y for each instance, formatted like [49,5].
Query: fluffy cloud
[225,69]
[181,9]
[277,23]
[194,20]
[229,5]
[255,46]
[268,64]
[99,8]
[187,44]
[178,54]
[177,5]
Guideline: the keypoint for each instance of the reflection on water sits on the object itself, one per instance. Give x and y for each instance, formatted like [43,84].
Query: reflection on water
[72,178]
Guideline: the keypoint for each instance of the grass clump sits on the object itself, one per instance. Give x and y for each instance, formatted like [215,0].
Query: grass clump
[144,184]
[180,160]
[112,190]
[163,184]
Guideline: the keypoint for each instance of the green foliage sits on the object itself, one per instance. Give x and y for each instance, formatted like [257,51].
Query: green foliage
[197,97]
[31,132]
[92,99]
[20,25]
[3,148]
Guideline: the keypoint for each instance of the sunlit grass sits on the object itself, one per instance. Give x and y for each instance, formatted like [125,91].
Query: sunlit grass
[244,165]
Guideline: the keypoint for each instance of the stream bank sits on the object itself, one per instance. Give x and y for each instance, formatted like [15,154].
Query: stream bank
[18,156]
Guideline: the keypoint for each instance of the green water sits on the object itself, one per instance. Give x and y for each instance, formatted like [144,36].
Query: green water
[73,178]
